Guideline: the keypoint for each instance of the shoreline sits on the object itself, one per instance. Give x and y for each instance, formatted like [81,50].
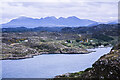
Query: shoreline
[32,55]
[97,67]
[45,60]
[47,53]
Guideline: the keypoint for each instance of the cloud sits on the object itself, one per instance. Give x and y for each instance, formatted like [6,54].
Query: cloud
[59,1]
[84,9]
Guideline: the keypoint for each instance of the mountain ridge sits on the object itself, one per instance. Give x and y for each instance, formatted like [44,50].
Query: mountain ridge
[49,21]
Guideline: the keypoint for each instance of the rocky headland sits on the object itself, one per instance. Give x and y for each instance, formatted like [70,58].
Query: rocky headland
[29,44]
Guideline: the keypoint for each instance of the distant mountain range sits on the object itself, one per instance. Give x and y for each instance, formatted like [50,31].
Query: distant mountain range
[113,22]
[49,22]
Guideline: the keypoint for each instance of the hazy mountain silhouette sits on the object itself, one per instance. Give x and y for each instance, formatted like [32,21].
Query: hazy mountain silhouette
[113,22]
[49,22]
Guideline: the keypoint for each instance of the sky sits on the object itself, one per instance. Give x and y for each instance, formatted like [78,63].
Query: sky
[97,10]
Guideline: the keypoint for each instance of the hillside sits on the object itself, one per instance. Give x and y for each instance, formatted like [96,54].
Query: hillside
[24,42]
[106,29]
[27,44]
[101,32]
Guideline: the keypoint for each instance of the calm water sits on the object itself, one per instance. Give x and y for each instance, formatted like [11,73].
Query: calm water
[48,66]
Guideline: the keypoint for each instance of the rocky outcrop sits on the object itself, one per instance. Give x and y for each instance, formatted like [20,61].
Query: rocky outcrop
[28,50]
[16,51]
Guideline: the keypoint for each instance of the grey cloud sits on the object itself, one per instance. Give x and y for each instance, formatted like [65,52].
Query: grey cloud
[88,10]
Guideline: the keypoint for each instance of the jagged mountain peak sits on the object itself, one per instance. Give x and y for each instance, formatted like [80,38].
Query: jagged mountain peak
[61,18]
[50,21]
[72,17]
[50,17]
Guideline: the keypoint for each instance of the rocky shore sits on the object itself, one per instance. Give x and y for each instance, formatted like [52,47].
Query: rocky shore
[20,51]
[21,45]
[36,54]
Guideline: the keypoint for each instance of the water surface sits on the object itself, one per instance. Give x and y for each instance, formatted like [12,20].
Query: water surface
[48,66]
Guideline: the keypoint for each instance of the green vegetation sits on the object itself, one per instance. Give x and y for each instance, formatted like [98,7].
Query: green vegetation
[73,75]
[102,37]
[30,43]
[26,42]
